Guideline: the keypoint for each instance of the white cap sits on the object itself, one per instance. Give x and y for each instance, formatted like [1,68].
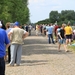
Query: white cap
[0,24]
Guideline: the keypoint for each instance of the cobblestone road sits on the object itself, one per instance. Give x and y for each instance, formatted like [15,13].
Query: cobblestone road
[41,58]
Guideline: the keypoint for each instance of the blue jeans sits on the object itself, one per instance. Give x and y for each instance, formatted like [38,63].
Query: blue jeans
[16,52]
[50,38]
[61,41]
[2,66]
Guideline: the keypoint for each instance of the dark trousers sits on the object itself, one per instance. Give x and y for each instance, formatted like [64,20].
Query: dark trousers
[2,66]
[9,55]
[50,38]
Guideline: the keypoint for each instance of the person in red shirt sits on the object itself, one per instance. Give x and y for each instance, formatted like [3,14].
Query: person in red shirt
[55,29]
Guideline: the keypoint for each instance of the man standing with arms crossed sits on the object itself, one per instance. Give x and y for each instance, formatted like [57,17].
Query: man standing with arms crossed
[4,43]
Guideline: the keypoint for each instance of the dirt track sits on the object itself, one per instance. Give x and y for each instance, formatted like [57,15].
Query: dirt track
[41,58]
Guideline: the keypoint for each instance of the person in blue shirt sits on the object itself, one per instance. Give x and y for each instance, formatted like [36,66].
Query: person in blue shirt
[4,43]
[50,30]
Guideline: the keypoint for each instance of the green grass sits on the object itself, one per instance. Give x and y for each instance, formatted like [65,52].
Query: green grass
[72,48]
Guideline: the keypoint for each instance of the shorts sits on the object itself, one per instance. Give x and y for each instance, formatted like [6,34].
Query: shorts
[69,36]
[61,41]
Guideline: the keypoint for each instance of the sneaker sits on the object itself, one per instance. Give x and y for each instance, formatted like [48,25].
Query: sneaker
[9,65]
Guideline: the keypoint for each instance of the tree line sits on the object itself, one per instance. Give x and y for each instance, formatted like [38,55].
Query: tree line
[63,17]
[14,10]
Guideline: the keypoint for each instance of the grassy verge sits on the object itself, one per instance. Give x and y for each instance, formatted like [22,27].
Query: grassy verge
[72,48]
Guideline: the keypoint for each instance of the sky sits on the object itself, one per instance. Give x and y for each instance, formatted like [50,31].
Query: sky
[40,9]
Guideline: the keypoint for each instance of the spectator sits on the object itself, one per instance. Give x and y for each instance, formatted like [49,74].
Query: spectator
[68,33]
[37,30]
[3,26]
[18,36]
[9,26]
[27,28]
[73,35]
[57,32]
[3,41]
[30,28]
[61,38]
[50,29]
[55,29]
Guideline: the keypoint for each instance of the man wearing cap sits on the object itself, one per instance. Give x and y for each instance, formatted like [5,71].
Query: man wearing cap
[18,36]
[4,43]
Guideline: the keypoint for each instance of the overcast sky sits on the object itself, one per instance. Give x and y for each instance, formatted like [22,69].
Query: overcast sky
[40,9]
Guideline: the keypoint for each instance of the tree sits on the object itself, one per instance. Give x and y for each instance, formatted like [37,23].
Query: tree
[67,15]
[46,21]
[14,10]
[54,16]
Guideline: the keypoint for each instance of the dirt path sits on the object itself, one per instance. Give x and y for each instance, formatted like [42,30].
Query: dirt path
[41,58]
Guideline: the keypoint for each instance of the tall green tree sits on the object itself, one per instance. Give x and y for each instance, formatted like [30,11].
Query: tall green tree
[67,15]
[46,21]
[14,10]
[54,16]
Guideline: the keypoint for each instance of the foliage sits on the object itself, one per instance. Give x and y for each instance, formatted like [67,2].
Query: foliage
[14,10]
[67,15]
[46,21]
[63,17]
[54,16]
[72,47]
